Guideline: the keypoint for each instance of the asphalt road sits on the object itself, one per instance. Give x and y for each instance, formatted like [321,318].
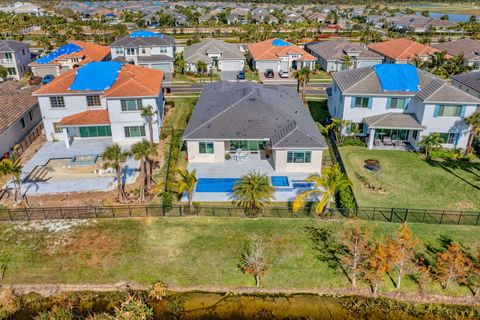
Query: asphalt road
[312,88]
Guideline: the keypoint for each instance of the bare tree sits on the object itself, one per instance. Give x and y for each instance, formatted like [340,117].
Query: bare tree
[252,259]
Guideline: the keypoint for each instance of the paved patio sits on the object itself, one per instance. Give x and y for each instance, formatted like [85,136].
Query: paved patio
[233,169]
[49,150]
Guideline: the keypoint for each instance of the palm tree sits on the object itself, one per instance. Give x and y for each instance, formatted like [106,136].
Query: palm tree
[337,125]
[148,113]
[253,191]
[186,183]
[326,187]
[474,122]
[201,67]
[13,168]
[456,65]
[142,151]
[430,142]
[302,76]
[114,158]
[347,62]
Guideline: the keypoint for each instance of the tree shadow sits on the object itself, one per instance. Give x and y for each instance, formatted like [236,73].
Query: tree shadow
[449,166]
[327,248]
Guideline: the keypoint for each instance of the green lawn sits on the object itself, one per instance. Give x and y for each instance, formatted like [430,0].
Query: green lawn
[179,115]
[318,110]
[188,251]
[320,75]
[413,182]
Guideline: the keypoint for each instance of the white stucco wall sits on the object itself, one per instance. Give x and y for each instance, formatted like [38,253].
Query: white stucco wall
[195,156]
[15,133]
[281,165]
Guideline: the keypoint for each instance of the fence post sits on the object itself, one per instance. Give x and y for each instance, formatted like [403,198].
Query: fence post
[44,215]
[391,215]
[146,211]
[478,218]
[460,217]
[180,210]
[406,216]
[9,214]
[424,215]
[441,219]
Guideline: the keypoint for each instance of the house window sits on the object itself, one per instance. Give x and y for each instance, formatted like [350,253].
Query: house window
[397,103]
[119,51]
[447,137]
[144,51]
[56,128]
[163,49]
[361,102]
[299,156]
[449,111]
[95,131]
[11,71]
[205,147]
[22,122]
[8,56]
[415,134]
[131,105]
[57,102]
[130,51]
[93,101]
[247,145]
[31,114]
[134,131]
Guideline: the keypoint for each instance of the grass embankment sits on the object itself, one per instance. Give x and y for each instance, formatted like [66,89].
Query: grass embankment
[410,181]
[190,251]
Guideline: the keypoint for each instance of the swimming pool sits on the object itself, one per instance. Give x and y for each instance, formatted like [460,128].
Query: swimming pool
[215,184]
[279,181]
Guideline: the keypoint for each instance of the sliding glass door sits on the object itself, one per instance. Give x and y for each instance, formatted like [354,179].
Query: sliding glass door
[394,134]
[247,145]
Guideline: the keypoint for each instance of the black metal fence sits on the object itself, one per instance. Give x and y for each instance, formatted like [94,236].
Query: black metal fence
[395,215]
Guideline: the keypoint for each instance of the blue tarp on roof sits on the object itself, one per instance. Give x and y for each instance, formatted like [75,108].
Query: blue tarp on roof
[397,77]
[145,34]
[280,43]
[96,76]
[66,49]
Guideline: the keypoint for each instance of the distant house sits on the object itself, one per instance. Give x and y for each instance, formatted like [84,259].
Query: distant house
[181,20]
[69,56]
[236,18]
[277,54]
[469,48]
[331,55]
[397,114]
[146,49]
[402,50]
[254,119]
[102,99]
[15,57]
[23,8]
[19,114]
[318,17]
[419,23]
[216,54]
[468,82]
[293,18]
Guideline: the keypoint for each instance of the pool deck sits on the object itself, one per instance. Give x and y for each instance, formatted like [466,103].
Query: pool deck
[233,169]
[36,186]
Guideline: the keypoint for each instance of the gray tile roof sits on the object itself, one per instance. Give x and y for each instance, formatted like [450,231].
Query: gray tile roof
[155,58]
[143,42]
[231,111]
[393,120]
[199,51]
[16,100]
[364,81]
[12,46]
[468,47]
[337,49]
[471,80]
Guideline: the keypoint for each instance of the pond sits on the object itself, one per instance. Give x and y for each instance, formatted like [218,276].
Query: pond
[205,305]
[454,17]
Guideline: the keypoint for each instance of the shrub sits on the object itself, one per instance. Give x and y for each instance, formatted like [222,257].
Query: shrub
[8,303]
[133,308]
[445,154]
[228,156]
[353,141]
[158,291]
[345,199]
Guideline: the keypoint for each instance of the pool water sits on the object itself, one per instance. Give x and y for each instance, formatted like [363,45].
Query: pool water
[279,181]
[215,184]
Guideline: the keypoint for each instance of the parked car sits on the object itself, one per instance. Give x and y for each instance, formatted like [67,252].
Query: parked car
[269,73]
[283,74]
[34,80]
[241,75]
[48,78]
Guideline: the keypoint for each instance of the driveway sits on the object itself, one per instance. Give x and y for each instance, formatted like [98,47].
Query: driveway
[277,80]
[228,75]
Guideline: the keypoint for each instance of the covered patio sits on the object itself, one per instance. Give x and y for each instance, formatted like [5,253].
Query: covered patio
[393,131]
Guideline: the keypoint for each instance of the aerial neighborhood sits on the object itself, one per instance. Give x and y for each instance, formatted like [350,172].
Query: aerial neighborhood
[360,123]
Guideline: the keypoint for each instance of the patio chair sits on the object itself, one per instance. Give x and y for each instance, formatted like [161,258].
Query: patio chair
[243,156]
[387,141]
[377,142]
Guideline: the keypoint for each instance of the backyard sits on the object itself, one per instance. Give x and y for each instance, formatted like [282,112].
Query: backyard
[407,180]
[190,251]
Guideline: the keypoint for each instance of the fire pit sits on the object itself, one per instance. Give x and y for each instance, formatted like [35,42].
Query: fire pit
[372,165]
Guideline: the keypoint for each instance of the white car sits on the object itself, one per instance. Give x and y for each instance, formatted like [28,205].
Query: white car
[283,74]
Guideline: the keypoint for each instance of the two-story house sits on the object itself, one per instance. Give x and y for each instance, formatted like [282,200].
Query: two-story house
[102,99]
[15,57]
[277,54]
[216,54]
[395,105]
[69,56]
[403,50]
[146,49]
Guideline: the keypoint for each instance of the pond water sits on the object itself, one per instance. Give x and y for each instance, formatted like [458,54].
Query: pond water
[204,305]
[455,17]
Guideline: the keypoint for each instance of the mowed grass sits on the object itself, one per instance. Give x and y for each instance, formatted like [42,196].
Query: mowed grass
[190,251]
[178,117]
[410,181]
